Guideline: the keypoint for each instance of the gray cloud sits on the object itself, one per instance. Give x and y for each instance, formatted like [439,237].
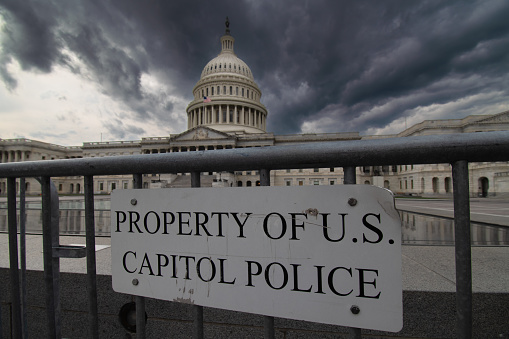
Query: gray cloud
[329,65]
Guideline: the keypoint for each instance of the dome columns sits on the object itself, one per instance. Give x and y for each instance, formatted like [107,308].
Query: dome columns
[227,114]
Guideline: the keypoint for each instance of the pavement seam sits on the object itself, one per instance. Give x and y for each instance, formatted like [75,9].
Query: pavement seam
[430,269]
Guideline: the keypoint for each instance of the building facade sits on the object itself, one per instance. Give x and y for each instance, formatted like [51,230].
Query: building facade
[227,113]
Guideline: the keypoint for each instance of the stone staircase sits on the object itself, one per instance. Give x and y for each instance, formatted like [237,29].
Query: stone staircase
[183,181]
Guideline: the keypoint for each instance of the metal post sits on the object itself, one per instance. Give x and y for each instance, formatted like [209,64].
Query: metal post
[48,255]
[462,249]
[23,255]
[91,260]
[268,323]
[13,257]
[140,301]
[55,243]
[197,310]
[351,179]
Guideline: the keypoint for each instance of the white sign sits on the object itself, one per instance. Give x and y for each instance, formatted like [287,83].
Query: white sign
[327,254]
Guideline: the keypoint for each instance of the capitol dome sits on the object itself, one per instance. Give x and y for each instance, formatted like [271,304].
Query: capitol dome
[226,98]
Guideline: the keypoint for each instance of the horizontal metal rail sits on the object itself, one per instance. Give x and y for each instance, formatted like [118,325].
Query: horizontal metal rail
[470,147]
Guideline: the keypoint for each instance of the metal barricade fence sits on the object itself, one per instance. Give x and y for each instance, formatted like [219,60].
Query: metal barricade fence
[456,149]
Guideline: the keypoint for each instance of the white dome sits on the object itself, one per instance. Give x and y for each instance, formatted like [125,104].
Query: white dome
[227,62]
[226,97]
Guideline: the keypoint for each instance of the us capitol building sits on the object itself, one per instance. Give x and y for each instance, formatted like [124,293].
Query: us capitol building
[227,113]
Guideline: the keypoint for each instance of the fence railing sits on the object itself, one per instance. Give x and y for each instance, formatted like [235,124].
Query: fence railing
[456,149]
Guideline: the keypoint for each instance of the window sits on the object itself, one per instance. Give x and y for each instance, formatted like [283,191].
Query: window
[332,169]
[231,90]
[288,183]
[287,171]
[316,182]
[101,186]
[332,182]
[301,182]
[316,170]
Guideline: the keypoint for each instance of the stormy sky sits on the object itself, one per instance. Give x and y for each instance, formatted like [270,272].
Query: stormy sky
[90,70]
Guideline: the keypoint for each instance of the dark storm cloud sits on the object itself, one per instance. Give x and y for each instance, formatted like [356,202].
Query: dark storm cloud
[118,130]
[331,65]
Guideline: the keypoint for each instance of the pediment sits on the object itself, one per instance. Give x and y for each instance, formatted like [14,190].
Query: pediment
[201,133]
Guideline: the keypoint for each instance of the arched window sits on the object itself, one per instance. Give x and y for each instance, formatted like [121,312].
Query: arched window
[447,185]
[239,183]
[248,183]
[434,183]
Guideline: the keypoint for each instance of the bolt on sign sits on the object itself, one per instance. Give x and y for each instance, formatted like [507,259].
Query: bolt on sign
[327,254]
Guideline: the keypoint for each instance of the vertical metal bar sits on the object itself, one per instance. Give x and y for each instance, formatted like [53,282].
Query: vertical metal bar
[55,242]
[195,179]
[13,257]
[351,179]
[198,322]
[462,249]
[197,310]
[23,255]
[91,260]
[268,321]
[48,255]
[140,301]
[264,177]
